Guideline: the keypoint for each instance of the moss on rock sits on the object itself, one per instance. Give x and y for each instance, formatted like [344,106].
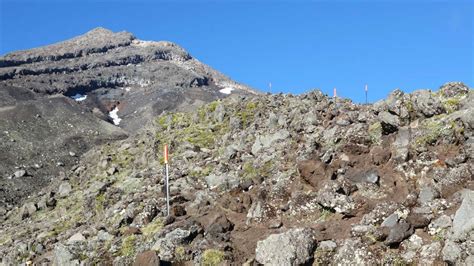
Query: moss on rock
[212,257]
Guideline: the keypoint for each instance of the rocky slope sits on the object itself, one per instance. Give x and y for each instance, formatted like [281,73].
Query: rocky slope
[66,98]
[270,179]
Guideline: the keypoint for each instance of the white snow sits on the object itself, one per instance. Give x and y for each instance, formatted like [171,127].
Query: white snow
[79,97]
[226,90]
[113,114]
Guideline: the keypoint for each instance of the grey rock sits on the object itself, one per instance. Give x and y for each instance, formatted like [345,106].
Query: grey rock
[451,252]
[463,222]
[256,211]
[77,237]
[425,103]
[327,245]
[112,170]
[166,246]
[63,256]
[353,252]
[219,113]
[452,89]
[391,220]
[27,210]
[230,152]
[263,142]
[440,224]
[400,146]
[427,194]
[19,173]
[222,181]
[64,189]
[399,232]
[390,123]
[275,224]
[294,247]
[429,253]
[370,176]
[468,261]
[338,202]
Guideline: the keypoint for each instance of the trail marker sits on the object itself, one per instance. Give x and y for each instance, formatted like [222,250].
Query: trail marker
[366,90]
[270,85]
[165,155]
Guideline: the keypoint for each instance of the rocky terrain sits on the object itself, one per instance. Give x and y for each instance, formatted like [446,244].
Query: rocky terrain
[266,179]
[58,101]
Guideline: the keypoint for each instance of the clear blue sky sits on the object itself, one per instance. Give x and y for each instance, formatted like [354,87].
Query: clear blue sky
[295,45]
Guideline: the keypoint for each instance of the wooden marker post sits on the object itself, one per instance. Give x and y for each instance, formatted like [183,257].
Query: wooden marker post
[165,154]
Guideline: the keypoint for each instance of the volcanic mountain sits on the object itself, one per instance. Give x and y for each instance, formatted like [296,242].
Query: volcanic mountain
[59,100]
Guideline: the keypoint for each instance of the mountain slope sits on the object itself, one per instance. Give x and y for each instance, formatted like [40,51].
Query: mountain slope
[140,78]
[270,179]
[100,86]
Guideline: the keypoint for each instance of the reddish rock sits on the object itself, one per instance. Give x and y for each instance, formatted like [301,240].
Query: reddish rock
[147,258]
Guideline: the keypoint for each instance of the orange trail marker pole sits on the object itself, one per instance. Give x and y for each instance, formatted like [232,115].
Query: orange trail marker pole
[165,154]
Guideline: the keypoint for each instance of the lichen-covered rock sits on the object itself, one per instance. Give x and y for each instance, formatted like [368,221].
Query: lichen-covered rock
[294,247]
[353,252]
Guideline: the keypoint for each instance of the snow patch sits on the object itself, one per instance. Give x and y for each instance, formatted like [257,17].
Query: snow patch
[113,114]
[79,97]
[226,90]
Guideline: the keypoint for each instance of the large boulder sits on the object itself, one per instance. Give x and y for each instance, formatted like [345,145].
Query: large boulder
[294,247]
[463,222]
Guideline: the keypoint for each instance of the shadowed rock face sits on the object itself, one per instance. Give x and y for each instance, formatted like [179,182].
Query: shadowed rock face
[41,123]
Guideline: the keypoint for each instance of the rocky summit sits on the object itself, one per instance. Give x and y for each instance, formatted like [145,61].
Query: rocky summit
[58,101]
[262,179]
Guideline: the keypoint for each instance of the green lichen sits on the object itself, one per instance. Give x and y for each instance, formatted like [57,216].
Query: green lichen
[212,257]
[451,104]
[375,133]
[180,253]
[247,113]
[201,172]
[100,201]
[152,228]
[433,130]
[5,239]
[213,106]
[325,214]
[128,246]
[250,172]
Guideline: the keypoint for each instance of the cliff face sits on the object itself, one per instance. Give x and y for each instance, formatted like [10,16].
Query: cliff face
[269,179]
[67,97]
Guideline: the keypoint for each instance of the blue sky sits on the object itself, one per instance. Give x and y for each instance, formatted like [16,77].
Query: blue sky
[295,45]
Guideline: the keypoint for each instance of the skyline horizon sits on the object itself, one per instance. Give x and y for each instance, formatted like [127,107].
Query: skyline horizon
[297,47]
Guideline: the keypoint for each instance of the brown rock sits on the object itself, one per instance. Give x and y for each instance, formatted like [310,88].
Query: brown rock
[147,258]
[178,210]
[418,220]
[380,155]
[313,172]
[131,231]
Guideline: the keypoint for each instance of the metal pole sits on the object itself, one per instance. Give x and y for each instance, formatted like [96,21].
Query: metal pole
[167,179]
[167,191]
[366,90]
